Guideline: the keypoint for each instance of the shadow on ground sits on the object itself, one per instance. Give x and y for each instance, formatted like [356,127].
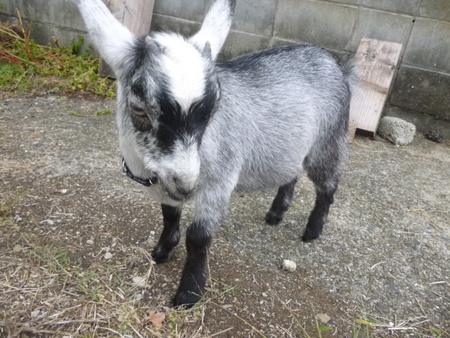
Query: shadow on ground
[75,232]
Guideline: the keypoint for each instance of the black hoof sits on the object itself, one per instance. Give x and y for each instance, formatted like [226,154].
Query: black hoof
[273,218]
[186,299]
[161,255]
[311,235]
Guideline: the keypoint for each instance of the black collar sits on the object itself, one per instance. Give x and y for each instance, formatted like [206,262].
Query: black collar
[147,182]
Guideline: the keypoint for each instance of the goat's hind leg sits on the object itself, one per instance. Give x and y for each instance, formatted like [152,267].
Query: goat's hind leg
[326,181]
[170,235]
[281,203]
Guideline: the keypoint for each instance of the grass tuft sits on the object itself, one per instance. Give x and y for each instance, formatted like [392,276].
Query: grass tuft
[25,65]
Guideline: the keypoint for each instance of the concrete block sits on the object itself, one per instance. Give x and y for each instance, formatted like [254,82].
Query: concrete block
[435,9]
[188,10]
[398,6]
[61,13]
[429,45]
[324,23]
[8,7]
[168,23]
[255,16]
[396,130]
[252,16]
[342,56]
[347,2]
[422,90]
[43,34]
[239,43]
[382,26]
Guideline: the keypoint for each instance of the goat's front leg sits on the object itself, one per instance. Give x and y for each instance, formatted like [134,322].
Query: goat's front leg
[195,272]
[170,235]
[211,205]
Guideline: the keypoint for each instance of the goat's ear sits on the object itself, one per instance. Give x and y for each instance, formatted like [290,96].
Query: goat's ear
[215,27]
[110,37]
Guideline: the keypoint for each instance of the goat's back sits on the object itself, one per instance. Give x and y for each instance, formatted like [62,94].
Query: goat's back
[277,107]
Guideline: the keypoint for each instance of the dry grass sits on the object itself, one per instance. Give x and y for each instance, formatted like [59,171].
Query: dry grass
[44,293]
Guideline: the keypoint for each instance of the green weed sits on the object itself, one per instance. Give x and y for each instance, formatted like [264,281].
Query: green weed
[25,65]
[99,113]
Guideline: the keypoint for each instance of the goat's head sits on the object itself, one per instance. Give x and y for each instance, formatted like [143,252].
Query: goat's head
[167,92]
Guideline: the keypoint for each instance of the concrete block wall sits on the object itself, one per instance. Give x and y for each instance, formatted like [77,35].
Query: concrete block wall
[422,82]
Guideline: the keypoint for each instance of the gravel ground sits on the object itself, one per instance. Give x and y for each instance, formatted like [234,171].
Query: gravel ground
[383,256]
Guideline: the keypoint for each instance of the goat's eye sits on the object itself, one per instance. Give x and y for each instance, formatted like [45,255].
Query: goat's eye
[138,111]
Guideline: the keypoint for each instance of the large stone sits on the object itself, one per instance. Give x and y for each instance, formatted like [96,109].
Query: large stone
[397,130]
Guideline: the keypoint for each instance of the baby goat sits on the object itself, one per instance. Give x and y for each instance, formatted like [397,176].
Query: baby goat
[193,128]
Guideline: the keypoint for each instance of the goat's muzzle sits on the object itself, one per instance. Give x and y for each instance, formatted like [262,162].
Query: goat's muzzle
[178,189]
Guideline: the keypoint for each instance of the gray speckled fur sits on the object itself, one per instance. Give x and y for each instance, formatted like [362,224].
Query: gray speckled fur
[276,112]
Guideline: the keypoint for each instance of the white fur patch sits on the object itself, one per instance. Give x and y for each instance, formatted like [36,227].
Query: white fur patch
[112,39]
[183,163]
[185,68]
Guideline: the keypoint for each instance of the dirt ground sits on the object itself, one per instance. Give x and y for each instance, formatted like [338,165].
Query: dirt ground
[75,235]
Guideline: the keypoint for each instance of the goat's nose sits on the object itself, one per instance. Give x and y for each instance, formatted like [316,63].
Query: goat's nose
[182,187]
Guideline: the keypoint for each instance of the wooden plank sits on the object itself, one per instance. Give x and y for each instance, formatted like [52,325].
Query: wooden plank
[134,14]
[375,62]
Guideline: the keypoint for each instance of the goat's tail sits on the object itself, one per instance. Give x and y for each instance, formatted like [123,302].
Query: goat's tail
[351,76]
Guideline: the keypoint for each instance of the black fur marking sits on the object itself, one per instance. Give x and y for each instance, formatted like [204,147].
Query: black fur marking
[193,279]
[175,124]
[140,55]
[281,203]
[141,123]
[170,235]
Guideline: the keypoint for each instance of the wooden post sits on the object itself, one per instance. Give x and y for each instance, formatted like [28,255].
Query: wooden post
[376,63]
[136,15]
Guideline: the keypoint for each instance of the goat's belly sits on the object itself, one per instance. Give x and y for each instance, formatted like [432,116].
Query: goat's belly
[257,181]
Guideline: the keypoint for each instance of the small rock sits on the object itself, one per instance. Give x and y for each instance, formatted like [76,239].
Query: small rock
[17,248]
[139,282]
[35,313]
[434,136]
[137,296]
[108,255]
[90,242]
[323,317]
[396,130]
[48,221]
[289,265]
[64,191]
